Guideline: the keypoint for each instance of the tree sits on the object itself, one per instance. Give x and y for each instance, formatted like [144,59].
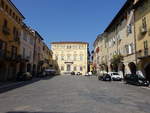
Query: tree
[115,61]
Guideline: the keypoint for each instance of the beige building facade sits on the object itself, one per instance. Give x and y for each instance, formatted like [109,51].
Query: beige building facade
[71,56]
[128,35]
[100,57]
[27,40]
[118,40]
[142,30]
[10,28]
[121,39]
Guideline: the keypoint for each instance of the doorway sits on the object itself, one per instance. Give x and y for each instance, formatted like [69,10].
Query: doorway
[147,72]
[68,67]
[132,67]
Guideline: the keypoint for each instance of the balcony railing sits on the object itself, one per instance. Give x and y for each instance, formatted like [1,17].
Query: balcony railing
[7,55]
[12,57]
[143,53]
[24,58]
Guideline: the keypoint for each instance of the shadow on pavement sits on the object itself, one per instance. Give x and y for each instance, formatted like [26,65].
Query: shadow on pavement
[16,85]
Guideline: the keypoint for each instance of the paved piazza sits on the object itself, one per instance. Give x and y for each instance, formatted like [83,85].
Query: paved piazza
[74,94]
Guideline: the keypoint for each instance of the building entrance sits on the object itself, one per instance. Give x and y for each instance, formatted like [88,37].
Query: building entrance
[147,72]
[68,67]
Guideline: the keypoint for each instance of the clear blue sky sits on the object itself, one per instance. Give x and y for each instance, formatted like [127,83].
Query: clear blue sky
[69,20]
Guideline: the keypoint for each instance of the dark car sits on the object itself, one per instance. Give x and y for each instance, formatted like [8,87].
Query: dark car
[50,72]
[136,80]
[105,77]
[24,76]
[73,73]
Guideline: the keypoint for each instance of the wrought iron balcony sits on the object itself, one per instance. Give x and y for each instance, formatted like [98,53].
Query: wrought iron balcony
[12,57]
[143,53]
[24,58]
[8,56]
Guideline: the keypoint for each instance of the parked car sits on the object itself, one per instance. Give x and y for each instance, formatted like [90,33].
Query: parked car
[136,79]
[67,73]
[78,73]
[73,73]
[24,76]
[115,76]
[104,77]
[49,72]
[88,74]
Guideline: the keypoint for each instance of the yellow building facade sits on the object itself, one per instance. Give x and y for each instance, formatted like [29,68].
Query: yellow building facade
[10,27]
[71,56]
[142,30]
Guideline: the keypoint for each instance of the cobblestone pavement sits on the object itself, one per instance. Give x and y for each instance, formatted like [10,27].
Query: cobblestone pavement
[75,94]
